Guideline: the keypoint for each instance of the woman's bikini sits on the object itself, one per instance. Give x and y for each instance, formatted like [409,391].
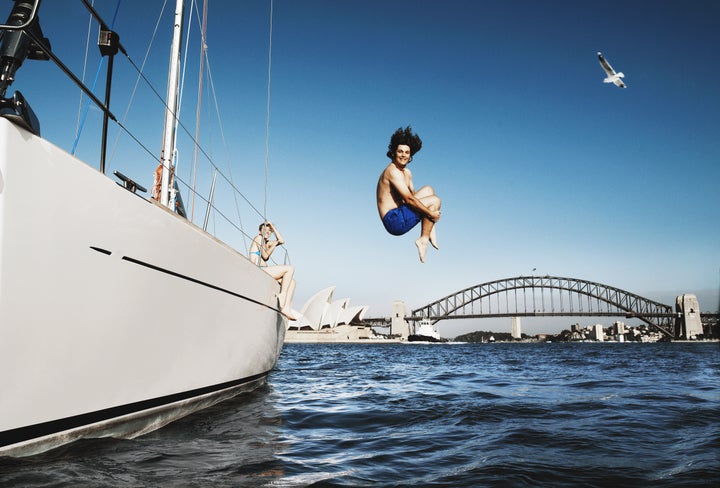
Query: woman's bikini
[260,261]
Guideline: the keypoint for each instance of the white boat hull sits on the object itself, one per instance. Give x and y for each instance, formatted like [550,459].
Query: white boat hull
[112,308]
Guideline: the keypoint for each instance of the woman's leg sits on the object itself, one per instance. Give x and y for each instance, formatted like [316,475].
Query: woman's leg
[284,275]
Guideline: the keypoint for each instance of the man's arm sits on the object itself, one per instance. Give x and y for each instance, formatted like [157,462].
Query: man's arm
[397,182]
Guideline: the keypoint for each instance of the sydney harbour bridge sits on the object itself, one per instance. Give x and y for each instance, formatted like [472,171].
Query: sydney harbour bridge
[549,296]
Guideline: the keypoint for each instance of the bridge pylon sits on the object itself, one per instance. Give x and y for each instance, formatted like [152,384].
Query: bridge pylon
[688,324]
[398,324]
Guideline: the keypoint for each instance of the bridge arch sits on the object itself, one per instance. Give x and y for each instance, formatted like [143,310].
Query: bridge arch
[550,296]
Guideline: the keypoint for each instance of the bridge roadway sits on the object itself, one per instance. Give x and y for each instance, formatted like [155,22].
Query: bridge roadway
[544,296]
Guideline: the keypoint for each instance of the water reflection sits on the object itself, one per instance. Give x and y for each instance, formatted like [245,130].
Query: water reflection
[234,443]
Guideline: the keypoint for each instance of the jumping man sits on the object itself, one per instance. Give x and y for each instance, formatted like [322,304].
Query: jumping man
[401,207]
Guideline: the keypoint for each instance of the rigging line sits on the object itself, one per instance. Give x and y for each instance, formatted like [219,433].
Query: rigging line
[139,77]
[134,138]
[267,118]
[182,126]
[78,132]
[187,132]
[84,72]
[160,161]
[203,48]
[228,179]
[210,161]
[180,180]
[213,93]
[225,149]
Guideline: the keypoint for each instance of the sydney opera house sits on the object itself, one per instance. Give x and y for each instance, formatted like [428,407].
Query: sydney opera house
[323,320]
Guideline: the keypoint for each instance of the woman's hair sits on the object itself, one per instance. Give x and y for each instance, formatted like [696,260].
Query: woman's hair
[404,137]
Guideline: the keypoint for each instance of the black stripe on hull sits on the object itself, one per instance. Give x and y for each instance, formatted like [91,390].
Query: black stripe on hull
[183,277]
[22,434]
[193,280]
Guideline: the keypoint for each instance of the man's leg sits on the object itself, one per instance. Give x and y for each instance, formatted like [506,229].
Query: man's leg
[433,237]
[427,196]
[427,232]
[422,241]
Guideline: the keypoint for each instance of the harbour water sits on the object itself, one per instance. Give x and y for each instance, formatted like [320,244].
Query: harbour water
[561,414]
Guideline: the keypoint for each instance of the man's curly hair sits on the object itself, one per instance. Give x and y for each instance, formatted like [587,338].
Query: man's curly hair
[405,137]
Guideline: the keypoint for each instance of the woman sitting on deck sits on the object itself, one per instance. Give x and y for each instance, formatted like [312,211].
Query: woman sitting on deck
[260,251]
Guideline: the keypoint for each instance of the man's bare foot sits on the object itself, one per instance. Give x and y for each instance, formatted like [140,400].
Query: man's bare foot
[422,244]
[433,238]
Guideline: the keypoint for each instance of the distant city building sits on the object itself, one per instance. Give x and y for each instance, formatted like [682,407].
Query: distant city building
[597,333]
[619,331]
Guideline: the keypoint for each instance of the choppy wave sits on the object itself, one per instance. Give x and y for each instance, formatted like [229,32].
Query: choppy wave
[432,415]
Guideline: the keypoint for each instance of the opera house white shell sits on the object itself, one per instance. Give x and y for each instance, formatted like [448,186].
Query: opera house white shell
[323,320]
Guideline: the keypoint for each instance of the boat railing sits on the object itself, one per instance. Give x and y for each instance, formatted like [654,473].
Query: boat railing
[26,20]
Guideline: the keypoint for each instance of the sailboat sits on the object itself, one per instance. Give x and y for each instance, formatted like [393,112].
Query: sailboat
[117,313]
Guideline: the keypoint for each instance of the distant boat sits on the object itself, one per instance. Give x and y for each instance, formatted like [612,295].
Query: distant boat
[117,313]
[425,331]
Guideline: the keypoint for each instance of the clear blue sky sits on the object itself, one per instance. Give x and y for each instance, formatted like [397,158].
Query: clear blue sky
[539,164]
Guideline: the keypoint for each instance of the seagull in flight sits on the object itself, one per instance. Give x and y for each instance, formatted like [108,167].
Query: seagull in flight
[612,76]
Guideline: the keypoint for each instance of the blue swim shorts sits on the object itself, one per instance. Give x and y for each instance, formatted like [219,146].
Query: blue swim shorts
[400,220]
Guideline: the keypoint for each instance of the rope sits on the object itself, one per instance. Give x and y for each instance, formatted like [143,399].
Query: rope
[84,72]
[227,153]
[267,118]
[203,48]
[267,122]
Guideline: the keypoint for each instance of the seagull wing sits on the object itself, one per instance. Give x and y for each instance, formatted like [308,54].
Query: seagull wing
[605,65]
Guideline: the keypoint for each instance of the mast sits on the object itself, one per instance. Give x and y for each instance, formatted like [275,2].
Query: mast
[167,192]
